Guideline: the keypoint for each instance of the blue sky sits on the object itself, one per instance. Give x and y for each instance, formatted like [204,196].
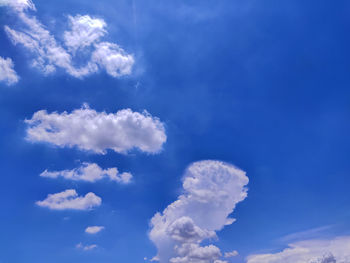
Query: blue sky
[262,85]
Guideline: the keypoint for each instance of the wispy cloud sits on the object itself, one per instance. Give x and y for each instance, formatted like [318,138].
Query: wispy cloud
[7,72]
[307,234]
[83,36]
[86,247]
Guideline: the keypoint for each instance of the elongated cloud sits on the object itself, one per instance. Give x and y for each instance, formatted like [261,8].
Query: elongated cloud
[82,53]
[86,247]
[69,200]
[98,131]
[94,229]
[335,250]
[212,190]
[7,73]
[90,172]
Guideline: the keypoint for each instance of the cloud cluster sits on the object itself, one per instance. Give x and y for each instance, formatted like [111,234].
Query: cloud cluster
[90,172]
[211,191]
[94,229]
[7,73]
[335,250]
[83,37]
[98,131]
[69,199]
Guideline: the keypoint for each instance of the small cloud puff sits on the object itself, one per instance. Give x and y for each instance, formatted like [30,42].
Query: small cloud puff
[69,200]
[94,229]
[233,253]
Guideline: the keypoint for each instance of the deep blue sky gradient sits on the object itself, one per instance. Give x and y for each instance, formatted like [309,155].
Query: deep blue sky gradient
[260,84]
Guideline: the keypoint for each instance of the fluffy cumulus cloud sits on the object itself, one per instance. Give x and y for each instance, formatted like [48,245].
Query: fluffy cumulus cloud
[98,131]
[90,172]
[335,250]
[211,191]
[81,53]
[94,229]
[7,73]
[69,200]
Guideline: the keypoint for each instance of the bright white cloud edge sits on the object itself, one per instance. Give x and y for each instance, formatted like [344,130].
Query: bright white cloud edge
[18,4]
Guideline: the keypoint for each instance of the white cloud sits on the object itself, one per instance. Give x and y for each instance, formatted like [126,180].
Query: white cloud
[90,172]
[7,73]
[233,253]
[18,4]
[69,199]
[98,131]
[190,252]
[309,251]
[94,229]
[211,191]
[84,31]
[86,247]
[83,36]
[113,59]
[184,230]
[48,54]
